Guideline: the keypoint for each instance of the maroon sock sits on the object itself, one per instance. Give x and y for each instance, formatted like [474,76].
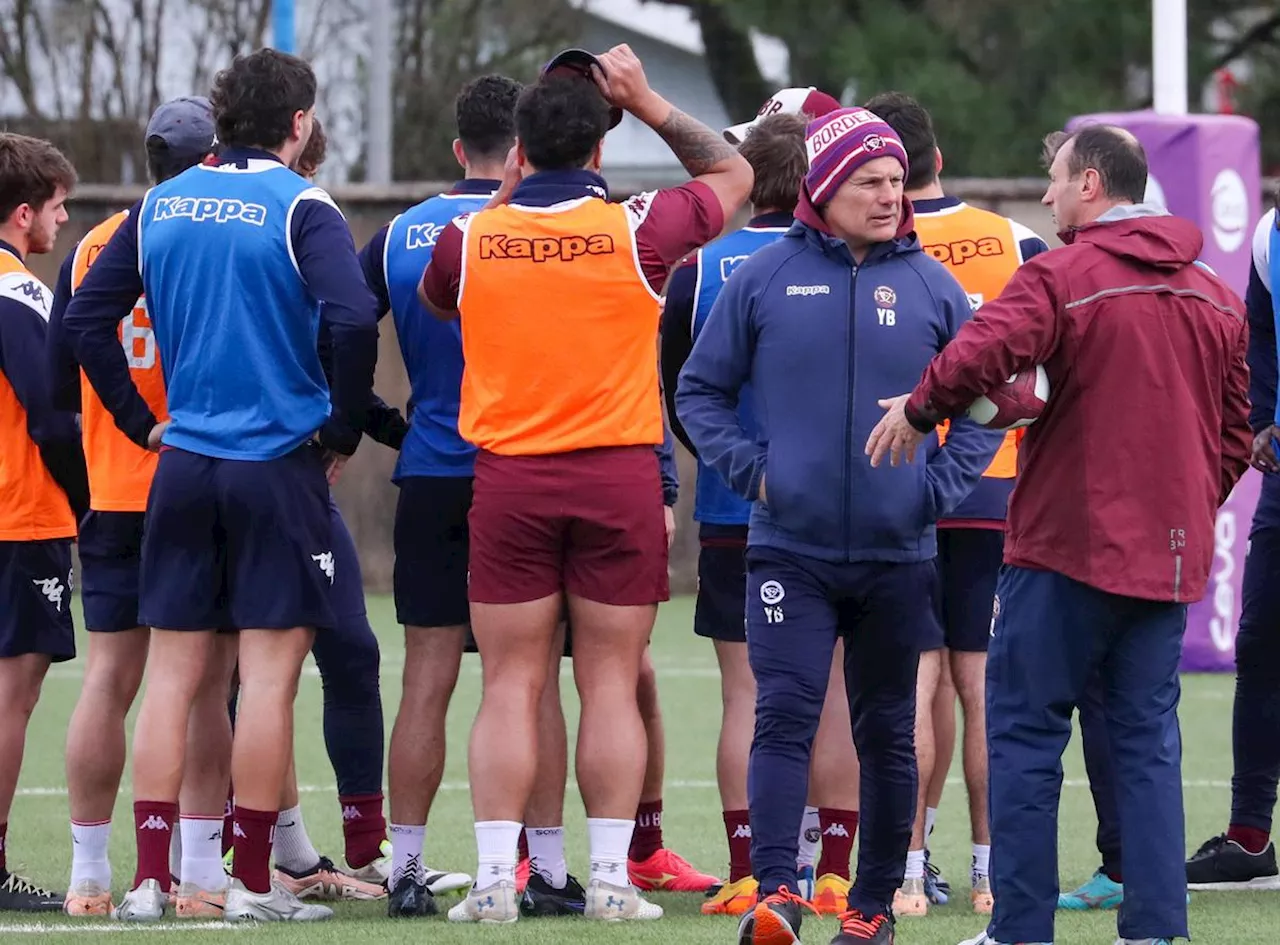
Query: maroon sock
[254,832]
[1251,838]
[228,821]
[363,827]
[839,827]
[4,832]
[646,839]
[522,847]
[737,827]
[154,823]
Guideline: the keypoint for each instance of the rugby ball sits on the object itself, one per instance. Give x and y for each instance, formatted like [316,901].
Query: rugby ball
[1018,402]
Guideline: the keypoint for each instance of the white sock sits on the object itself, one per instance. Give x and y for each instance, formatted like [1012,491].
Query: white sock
[496,842]
[546,854]
[609,840]
[292,849]
[89,853]
[175,854]
[406,853]
[810,835]
[981,859]
[202,853]
[930,817]
[915,864]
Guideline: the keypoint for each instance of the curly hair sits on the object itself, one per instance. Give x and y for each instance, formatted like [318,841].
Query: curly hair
[560,120]
[255,99]
[31,171]
[486,114]
[313,155]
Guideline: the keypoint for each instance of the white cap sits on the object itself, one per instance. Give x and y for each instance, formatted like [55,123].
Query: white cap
[810,101]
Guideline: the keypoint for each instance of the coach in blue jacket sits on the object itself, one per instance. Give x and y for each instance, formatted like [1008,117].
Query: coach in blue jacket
[846,309]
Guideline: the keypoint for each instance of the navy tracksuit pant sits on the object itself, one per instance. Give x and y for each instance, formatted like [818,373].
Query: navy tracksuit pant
[1051,635]
[796,609]
[1102,777]
[1255,728]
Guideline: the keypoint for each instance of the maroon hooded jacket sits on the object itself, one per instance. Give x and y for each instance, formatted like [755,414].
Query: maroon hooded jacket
[1147,426]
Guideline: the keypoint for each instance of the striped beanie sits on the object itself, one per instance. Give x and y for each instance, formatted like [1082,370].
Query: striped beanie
[842,141]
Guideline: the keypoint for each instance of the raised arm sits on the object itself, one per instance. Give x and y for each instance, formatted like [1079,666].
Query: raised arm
[704,153]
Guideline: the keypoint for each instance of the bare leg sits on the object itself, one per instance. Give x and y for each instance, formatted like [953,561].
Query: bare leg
[177,661]
[737,723]
[834,775]
[609,645]
[95,737]
[514,642]
[415,766]
[20,681]
[969,671]
[546,804]
[655,737]
[944,737]
[207,773]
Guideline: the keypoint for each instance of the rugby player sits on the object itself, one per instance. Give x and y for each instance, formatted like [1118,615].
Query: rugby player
[568,497]
[179,135]
[43,486]
[239,529]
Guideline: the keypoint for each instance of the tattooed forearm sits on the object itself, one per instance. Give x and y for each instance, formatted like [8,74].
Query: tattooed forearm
[697,146]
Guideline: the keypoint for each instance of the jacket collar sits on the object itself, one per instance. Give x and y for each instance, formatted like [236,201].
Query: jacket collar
[242,156]
[547,188]
[12,251]
[1122,211]
[475,186]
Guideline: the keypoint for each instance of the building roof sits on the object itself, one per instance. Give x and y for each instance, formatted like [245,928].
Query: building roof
[676,26]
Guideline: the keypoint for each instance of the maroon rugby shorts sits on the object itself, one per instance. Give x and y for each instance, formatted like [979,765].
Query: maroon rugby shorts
[588,522]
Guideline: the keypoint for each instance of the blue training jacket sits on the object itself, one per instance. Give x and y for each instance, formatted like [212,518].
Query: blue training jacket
[820,339]
[1263,304]
[714,502]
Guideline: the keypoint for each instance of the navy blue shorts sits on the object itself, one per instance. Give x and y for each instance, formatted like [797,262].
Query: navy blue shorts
[720,611]
[244,545]
[969,562]
[432,544]
[110,547]
[35,599]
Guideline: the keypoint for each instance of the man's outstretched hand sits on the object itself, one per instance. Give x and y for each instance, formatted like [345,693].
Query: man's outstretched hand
[893,435]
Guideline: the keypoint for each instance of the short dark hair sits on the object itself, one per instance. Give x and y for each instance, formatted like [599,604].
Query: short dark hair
[560,120]
[486,115]
[775,150]
[313,155]
[31,171]
[163,164]
[1114,153]
[255,99]
[914,126]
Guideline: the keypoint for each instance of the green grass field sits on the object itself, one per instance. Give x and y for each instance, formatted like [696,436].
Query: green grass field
[40,846]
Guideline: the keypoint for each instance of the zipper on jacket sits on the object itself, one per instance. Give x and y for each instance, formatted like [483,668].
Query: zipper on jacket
[848,419]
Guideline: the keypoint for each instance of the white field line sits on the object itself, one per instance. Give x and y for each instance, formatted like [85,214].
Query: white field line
[96,928]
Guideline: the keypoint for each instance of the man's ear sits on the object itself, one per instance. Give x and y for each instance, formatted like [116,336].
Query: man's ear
[459,154]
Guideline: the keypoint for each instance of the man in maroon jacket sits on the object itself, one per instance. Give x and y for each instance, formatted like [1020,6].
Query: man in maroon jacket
[1110,530]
